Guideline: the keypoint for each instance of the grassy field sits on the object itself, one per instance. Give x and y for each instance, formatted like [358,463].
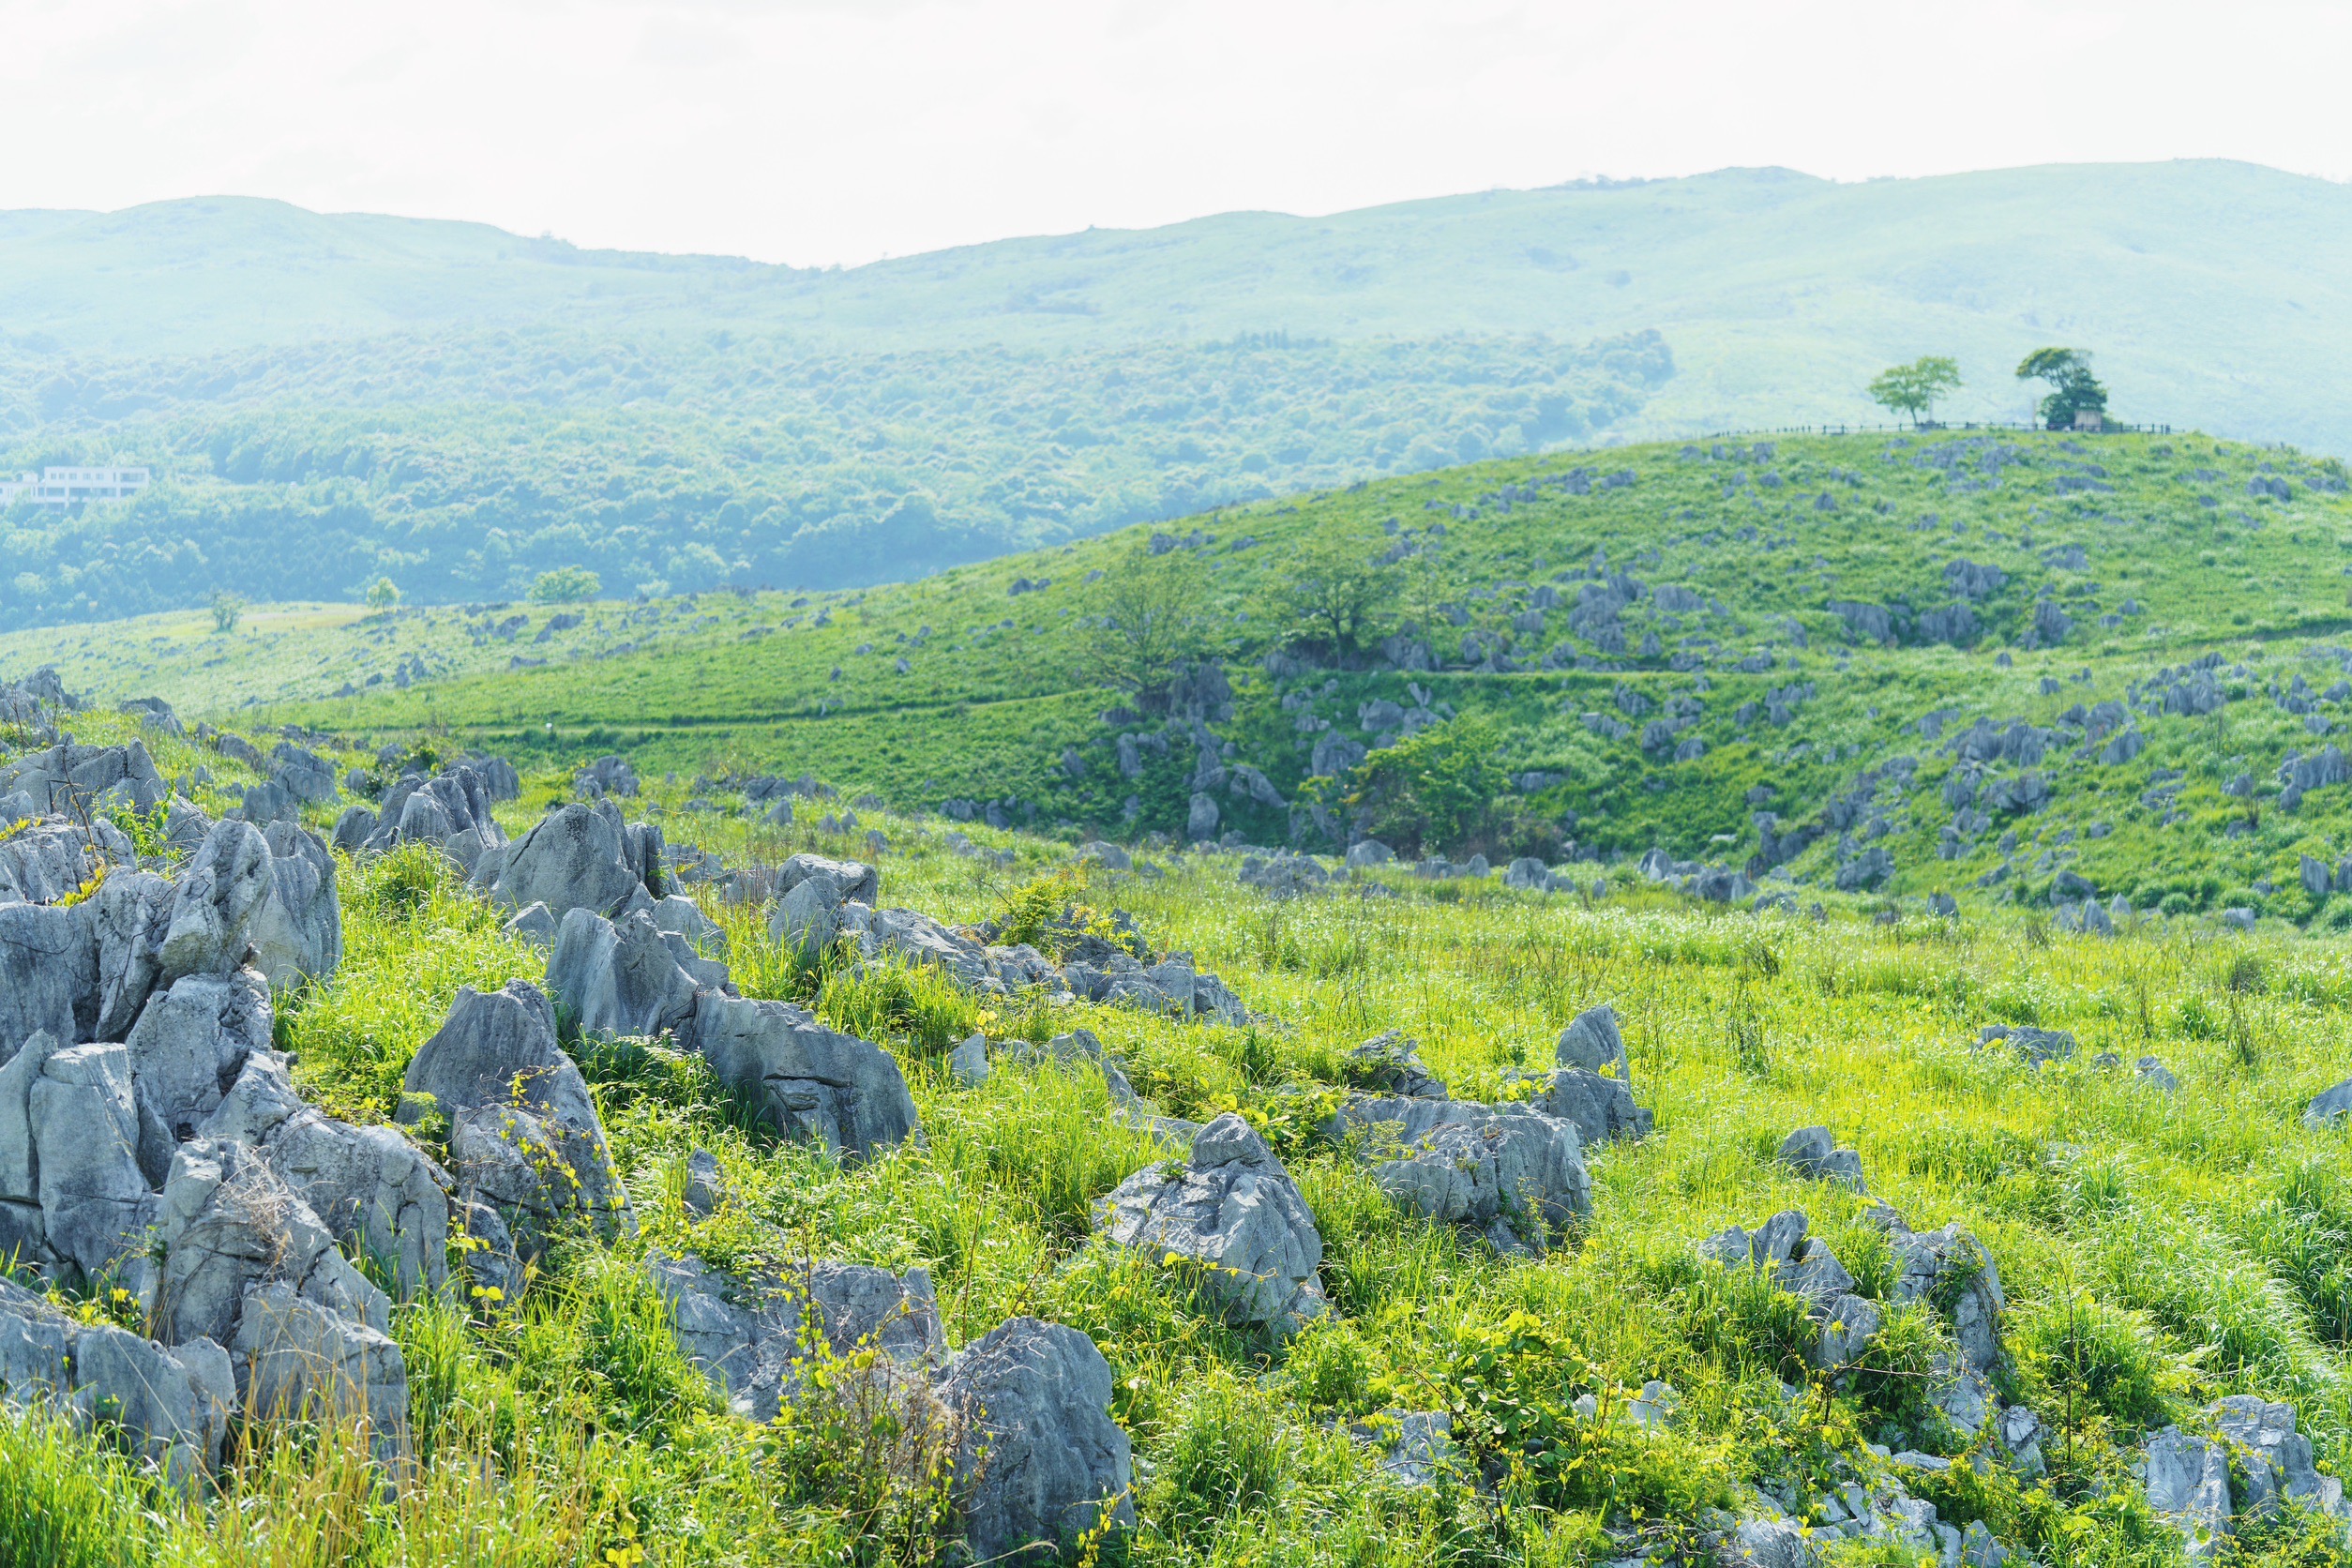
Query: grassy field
[2155,550]
[2156,1249]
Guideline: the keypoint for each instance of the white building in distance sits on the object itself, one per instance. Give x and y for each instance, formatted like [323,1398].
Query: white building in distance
[69,487]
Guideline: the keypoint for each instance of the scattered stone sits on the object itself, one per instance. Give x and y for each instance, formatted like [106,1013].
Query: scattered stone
[752,1334]
[1232,1207]
[1050,1464]
[810,1080]
[1511,1172]
[623,979]
[968,1063]
[1811,1152]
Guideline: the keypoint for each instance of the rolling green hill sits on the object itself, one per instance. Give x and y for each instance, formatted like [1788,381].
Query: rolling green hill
[1754,654]
[335,398]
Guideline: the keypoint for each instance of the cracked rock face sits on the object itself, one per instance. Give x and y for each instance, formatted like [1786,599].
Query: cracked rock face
[571,858]
[47,975]
[214,904]
[524,1127]
[623,978]
[750,1333]
[1511,1172]
[813,1082]
[187,1048]
[1048,1462]
[371,1187]
[297,934]
[1232,1207]
[176,1402]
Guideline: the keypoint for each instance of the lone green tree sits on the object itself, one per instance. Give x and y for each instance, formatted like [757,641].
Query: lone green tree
[1916,388]
[2073,390]
[1334,591]
[226,609]
[565,585]
[382,594]
[1147,622]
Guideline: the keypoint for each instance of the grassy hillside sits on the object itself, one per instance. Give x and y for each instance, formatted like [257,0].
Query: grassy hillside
[2152,553]
[2155,1250]
[458,409]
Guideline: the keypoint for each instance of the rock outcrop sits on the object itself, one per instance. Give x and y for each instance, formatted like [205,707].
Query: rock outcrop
[811,1081]
[1033,1401]
[1232,1209]
[752,1334]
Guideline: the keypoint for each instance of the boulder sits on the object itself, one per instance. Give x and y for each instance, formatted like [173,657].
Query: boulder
[807,918]
[2188,1486]
[216,900]
[376,1191]
[570,859]
[1369,851]
[1811,1152]
[225,1224]
[535,925]
[1043,1460]
[1601,1109]
[619,979]
[1593,1042]
[352,829]
[2323,1107]
[1511,1172]
[41,863]
[752,1334]
[185,1051]
[69,1148]
[299,1359]
[48,979]
[297,934]
[91,776]
[127,919]
[1234,1208]
[852,881]
[810,1080]
[678,915]
[1804,1266]
[523,1127]
[1391,1065]
[176,1404]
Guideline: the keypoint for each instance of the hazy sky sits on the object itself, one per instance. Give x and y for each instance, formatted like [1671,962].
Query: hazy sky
[839,131]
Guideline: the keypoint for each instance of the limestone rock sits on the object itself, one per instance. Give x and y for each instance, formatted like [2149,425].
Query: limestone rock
[215,902]
[297,934]
[1509,1172]
[1602,1109]
[811,1081]
[849,880]
[751,1333]
[48,976]
[187,1048]
[299,1359]
[80,1148]
[1232,1207]
[176,1403]
[1391,1065]
[618,979]
[535,925]
[1593,1042]
[226,1224]
[570,859]
[1049,1462]
[377,1192]
[517,1107]
[1811,1152]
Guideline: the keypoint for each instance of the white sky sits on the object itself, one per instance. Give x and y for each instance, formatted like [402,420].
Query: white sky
[816,132]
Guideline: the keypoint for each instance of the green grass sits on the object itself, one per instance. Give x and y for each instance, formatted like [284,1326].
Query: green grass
[986,712]
[2156,1251]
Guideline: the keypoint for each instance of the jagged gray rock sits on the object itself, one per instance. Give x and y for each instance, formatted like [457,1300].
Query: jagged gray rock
[297,934]
[524,1130]
[1047,1462]
[1391,1065]
[1232,1207]
[2188,1485]
[187,1048]
[812,1081]
[1812,1152]
[1593,1042]
[1601,1109]
[2323,1107]
[571,858]
[49,980]
[535,923]
[299,1359]
[751,1333]
[225,1223]
[619,979]
[216,900]
[176,1402]
[375,1190]
[1804,1266]
[129,919]
[69,1170]
[1513,1173]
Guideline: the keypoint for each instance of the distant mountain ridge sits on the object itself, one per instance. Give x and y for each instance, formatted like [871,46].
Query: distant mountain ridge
[340,397]
[2212,292]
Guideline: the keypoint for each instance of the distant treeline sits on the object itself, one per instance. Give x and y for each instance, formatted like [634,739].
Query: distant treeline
[463,467]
